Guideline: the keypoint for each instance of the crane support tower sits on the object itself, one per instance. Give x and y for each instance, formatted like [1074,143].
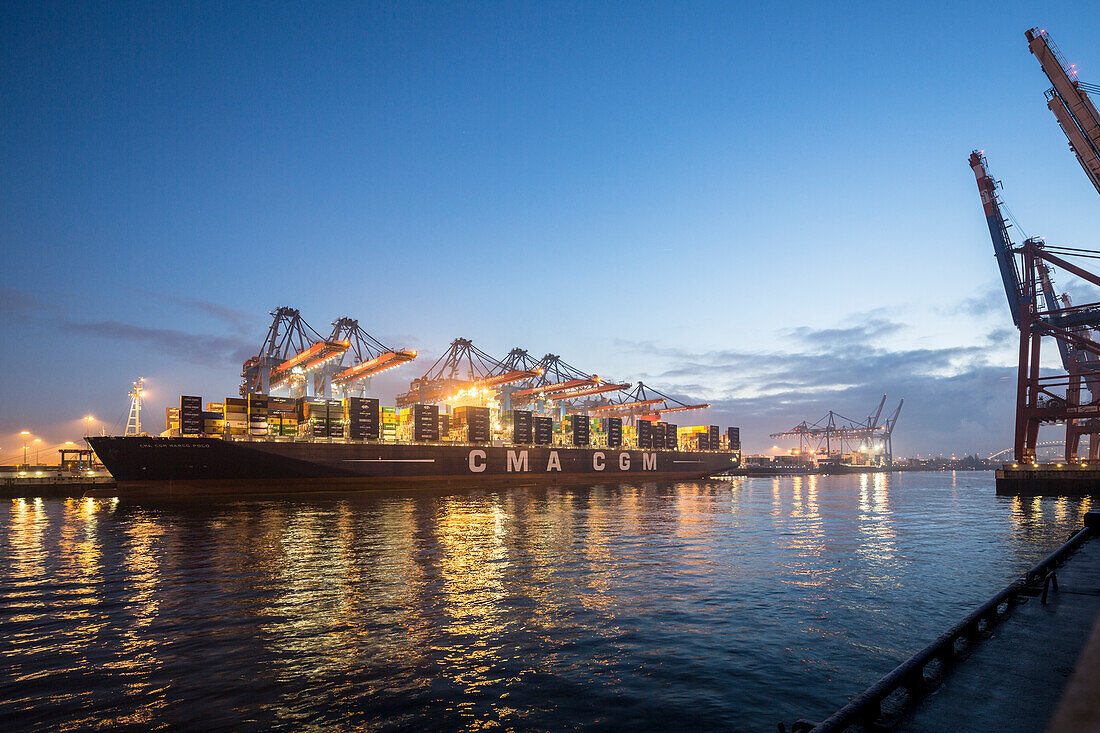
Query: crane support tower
[1072,398]
[1068,99]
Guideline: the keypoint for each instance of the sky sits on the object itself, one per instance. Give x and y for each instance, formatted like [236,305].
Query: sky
[767,207]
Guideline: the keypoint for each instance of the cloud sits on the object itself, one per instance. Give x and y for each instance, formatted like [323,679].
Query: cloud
[957,397]
[992,301]
[859,334]
[965,412]
[19,304]
[240,321]
[203,349]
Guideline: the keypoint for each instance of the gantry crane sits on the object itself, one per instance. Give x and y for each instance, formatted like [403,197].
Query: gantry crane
[838,434]
[641,403]
[368,357]
[1057,398]
[463,368]
[291,351]
[559,381]
[1036,310]
[1068,99]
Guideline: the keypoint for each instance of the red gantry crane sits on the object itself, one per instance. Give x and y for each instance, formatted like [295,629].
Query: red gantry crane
[1069,398]
[1038,310]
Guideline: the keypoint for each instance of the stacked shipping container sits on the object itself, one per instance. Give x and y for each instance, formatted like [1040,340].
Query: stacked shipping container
[236,416]
[190,415]
[476,422]
[358,418]
[425,423]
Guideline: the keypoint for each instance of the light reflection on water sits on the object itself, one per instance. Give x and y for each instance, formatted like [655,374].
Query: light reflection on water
[724,604]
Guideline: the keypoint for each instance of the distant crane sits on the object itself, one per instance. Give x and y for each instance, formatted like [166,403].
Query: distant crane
[1068,99]
[838,434]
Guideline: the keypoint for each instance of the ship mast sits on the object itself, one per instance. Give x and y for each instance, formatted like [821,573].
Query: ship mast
[133,422]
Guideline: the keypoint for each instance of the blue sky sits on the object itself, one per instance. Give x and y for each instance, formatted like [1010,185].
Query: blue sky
[767,207]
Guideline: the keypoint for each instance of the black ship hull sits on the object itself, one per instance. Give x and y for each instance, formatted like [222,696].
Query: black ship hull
[186,466]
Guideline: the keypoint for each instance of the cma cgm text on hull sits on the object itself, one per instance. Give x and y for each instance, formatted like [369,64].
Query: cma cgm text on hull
[210,465]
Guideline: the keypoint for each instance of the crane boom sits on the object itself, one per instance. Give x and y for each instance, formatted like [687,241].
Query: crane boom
[1070,104]
[998,232]
[893,420]
[878,413]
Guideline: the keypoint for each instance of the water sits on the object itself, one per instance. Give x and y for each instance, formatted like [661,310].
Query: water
[717,604]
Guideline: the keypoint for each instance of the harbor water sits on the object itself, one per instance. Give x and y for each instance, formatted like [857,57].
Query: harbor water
[724,604]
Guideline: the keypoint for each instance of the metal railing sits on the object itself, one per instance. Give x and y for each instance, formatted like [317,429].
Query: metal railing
[909,676]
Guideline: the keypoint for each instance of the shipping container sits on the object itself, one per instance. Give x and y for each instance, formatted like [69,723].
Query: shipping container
[580,430]
[614,432]
[671,441]
[544,430]
[733,438]
[645,434]
[189,415]
[478,423]
[522,426]
[425,423]
[657,434]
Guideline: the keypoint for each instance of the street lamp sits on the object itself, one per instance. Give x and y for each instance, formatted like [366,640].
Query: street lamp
[25,433]
[37,455]
[88,425]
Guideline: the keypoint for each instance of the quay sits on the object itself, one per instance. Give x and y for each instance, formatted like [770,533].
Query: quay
[1048,479]
[1008,666]
[52,487]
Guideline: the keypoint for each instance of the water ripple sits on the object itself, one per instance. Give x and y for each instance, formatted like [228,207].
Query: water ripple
[728,604]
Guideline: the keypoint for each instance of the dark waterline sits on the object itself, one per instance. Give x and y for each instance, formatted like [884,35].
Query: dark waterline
[714,604]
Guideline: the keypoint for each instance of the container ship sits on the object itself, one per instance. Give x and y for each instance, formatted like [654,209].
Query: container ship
[267,444]
[469,420]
